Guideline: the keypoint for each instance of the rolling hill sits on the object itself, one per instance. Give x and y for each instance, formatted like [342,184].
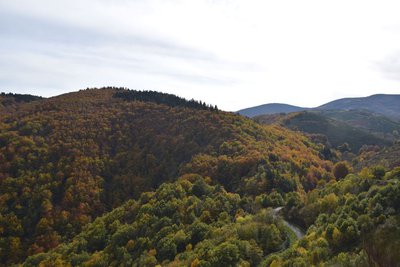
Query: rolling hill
[116,177]
[372,120]
[9,102]
[387,105]
[174,226]
[337,132]
[389,157]
[192,223]
[66,160]
[367,121]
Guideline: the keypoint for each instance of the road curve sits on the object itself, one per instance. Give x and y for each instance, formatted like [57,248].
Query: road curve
[299,233]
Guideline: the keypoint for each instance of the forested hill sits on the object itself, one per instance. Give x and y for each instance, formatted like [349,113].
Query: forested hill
[9,101]
[186,223]
[20,97]
[336,131]
[352,222]
[68,159]
[387,105]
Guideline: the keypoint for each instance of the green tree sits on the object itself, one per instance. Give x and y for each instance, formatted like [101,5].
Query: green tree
[225,254]
[166,249]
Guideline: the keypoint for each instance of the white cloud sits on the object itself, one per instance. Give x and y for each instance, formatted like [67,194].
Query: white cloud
[231,53]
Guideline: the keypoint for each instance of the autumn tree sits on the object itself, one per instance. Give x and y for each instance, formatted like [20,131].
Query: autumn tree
[340,170]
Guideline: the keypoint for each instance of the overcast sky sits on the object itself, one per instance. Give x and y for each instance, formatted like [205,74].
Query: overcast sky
[233,53]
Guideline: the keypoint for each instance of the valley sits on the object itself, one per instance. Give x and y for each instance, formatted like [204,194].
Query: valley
[115,177]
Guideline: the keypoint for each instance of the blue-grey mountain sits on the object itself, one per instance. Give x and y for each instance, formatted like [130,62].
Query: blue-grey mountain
[272,108]
[388,105]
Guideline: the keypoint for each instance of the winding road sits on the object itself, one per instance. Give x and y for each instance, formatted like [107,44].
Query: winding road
[299,233]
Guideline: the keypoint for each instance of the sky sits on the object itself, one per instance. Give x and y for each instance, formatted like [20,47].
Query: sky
[230,53]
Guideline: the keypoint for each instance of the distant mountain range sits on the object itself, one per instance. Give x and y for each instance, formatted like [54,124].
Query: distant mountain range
[388,105]
[373,120]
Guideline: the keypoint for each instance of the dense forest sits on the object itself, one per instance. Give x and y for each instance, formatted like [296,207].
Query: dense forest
[18,98]
[9,102]
[161,98]
[356,133]
[186,223]
[351,222]
[110,177]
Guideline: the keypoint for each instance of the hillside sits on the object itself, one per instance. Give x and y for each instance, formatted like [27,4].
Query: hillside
[368,121]
[186,223]
[111,177]
[389,157]
[351,222]
[9,102]
[269,109]
[387,105]
[68,159]
[337,132]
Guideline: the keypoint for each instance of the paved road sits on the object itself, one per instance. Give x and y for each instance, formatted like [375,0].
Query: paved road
[299,233]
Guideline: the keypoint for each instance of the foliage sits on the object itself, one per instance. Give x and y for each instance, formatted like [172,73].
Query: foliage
[162,98]
[20,97]
[66,160]
[366,120]
[337,131]
[167,229]
[90,179]
[351,222]
[388,157]
[10,102]
[340,170]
